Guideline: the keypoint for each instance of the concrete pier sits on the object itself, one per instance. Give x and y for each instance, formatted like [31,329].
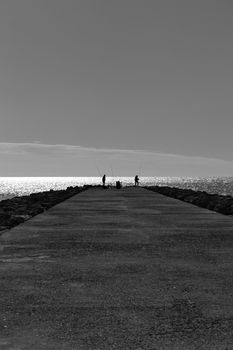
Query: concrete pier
[118,269]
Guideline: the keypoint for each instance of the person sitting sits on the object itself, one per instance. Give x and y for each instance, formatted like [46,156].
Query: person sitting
[118,185]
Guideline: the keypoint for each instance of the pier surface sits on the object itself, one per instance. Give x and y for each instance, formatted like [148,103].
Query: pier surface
[118,269]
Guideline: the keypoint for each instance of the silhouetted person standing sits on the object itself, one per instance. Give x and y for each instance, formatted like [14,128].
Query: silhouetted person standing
[104,180]
[136,180]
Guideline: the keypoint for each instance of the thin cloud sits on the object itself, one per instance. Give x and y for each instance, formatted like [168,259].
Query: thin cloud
[36,159]
[36,148]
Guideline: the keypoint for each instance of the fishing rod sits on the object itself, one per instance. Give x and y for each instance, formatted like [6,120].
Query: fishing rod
[111,170]
[140,169]
[98,170]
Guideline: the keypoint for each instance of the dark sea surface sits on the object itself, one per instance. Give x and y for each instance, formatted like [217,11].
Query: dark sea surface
[18,186]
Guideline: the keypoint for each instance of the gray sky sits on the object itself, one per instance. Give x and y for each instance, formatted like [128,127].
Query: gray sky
[122,75]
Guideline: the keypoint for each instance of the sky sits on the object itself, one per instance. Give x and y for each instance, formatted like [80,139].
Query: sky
[92,85]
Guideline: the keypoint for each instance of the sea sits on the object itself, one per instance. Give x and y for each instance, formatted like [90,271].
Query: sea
[19,186]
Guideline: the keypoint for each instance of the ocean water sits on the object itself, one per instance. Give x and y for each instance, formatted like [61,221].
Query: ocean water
[18,186]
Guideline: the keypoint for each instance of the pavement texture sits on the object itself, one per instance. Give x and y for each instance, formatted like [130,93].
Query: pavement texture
[118,269]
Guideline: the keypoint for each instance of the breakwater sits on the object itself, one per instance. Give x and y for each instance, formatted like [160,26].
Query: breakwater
[219,203]
[16,210]
[118,269]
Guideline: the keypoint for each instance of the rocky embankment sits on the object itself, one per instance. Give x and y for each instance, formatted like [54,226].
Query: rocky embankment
[216,202]
[16,210]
